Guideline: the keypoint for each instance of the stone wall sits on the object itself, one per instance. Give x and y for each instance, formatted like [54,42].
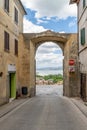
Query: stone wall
[74,76]
[24,64]
[27,63]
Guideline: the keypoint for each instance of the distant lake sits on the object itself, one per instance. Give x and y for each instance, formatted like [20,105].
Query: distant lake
[47,72]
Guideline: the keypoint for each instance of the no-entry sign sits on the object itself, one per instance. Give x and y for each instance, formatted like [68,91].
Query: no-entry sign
[71,62]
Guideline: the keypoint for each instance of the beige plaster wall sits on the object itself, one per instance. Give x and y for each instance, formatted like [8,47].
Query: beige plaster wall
[7,24]
[6,58]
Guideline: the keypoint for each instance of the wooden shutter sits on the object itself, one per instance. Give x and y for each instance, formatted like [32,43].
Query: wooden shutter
[6,5]
[16,15]
[6,41]
[83,36]
[84,2]
[16,47]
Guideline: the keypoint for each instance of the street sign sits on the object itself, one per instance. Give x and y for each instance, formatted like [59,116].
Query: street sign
[71,62]
[71,68]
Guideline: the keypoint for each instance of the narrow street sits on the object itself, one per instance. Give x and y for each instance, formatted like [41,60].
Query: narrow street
[46,111]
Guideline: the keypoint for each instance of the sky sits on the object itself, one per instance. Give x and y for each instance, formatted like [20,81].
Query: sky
[54,15]
[49,59]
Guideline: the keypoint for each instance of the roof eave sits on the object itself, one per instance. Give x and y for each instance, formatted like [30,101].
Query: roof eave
[73,1]
[23,7]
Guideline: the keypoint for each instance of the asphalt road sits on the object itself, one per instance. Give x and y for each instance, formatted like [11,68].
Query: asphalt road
[45,112]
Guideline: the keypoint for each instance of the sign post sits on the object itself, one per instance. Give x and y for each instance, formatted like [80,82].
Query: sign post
[71,65]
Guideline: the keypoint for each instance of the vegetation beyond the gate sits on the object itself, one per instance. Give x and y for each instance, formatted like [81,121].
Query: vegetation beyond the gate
[54,78]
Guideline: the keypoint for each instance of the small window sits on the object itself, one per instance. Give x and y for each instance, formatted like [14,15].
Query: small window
[6,41]
[82,36]
[6,5]
[16,47]
[84,2]
[16,15]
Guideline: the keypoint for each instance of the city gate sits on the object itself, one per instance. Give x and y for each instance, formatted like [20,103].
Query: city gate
[28,44]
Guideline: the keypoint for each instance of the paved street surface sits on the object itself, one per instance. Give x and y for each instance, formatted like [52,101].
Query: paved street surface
[46,111]
[54,90]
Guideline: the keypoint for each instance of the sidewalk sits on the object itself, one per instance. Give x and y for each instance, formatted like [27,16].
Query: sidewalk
[4,109]
[80,104]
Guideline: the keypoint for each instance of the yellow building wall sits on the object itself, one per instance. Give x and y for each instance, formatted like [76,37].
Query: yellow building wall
[9,58]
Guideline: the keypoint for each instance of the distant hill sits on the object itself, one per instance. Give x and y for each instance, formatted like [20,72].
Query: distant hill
[50,68]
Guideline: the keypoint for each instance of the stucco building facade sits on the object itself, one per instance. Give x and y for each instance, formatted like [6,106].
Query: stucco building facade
[82,40]
[11,25]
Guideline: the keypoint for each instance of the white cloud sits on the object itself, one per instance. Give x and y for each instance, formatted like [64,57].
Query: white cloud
[62,32]
[48,48]
[41,21]
[48,8]
[46,56]
[29,27]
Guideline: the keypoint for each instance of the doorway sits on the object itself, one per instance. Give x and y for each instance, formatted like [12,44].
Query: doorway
[83,86]
[12,82]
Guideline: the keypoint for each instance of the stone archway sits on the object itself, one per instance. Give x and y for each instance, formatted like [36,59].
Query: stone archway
[27,48]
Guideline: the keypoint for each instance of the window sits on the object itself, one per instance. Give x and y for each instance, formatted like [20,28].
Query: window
[84,3]
[6,5]
[16,15]
[82,36]
[6,41]
[16,47]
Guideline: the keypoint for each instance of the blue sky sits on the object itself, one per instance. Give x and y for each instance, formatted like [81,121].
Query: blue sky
[55,15]
[68,25]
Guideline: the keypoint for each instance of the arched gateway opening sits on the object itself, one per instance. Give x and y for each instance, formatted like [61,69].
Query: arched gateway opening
[49,69]
[28,45]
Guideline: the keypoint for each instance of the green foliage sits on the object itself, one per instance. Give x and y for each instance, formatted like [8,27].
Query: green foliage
[39,76]
[55,78]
